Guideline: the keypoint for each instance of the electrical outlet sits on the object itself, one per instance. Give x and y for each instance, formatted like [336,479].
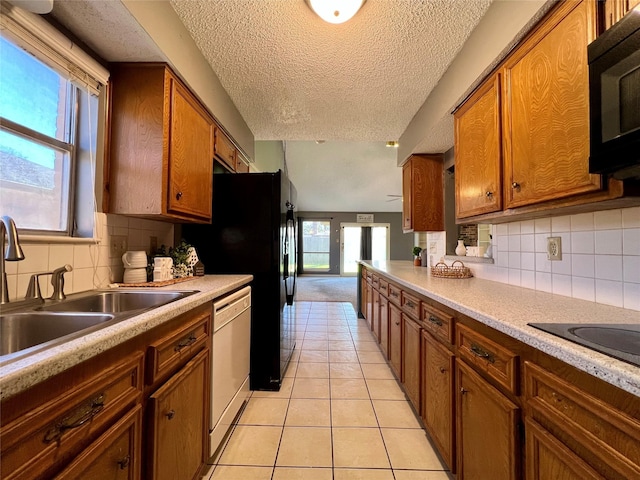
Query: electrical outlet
[117,245]
[554,248]
[433,247]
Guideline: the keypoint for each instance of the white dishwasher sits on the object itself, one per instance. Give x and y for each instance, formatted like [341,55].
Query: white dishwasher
[229,362]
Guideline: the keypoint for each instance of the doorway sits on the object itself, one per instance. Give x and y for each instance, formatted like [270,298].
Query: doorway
[350,244]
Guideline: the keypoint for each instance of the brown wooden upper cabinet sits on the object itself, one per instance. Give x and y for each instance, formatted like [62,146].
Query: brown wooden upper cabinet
[546,110]
[522,137]
[614,10]
[224,150]
[478,150]
[423,194]
[161,146]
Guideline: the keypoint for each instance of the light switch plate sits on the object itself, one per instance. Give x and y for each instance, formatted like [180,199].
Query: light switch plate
[554,248]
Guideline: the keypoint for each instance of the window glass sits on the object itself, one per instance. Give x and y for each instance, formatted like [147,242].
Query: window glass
[36,153]
[315,245]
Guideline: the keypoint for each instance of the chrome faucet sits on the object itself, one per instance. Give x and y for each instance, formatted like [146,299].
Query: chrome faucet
[57,280]
[12,253]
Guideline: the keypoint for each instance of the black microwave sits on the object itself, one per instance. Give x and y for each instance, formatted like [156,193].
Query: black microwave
[614,99]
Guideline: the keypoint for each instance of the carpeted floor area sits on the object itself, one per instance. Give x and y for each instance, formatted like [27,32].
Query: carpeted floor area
[327,289]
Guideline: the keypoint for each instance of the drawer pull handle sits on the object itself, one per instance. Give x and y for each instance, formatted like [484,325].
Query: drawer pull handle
[124,463]
[479,352]
[436,320]
[186,342]
[394,294]
[76,419]
[410,304]
[170,414]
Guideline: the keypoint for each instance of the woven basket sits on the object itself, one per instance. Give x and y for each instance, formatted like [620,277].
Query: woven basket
[442,270]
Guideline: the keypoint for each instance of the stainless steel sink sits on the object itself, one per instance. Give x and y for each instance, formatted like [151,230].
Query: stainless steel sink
[20,331]
[116,301]
[621,341]
[34,327]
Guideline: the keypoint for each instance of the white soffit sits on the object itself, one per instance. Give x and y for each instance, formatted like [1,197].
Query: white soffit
[294,77]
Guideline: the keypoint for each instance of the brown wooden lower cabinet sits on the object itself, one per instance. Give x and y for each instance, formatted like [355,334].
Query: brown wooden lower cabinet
[178,413]
[114,456]
[438,406]
[411,359]
[384,326]
[375,315]
[395,340]
[369,306]
[487,440]
[548,458]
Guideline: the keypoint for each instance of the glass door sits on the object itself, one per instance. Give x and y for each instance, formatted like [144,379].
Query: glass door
[315,246]
[350,238]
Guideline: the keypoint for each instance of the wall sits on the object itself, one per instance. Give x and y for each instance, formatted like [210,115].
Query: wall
[600,256]
[93,267]
[269,156]
[401,244]
[165,28]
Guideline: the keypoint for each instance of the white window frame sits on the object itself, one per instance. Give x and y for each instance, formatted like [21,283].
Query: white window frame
[39,38]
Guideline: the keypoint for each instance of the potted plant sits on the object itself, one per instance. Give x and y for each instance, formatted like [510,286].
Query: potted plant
[416,253]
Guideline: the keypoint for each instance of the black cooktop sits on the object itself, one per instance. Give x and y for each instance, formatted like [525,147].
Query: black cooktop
[621,341]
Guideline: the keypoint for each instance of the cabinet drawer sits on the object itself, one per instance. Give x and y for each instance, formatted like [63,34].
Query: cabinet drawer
[605,437]
[115,455]
[438,323]
[375,281]
[39,443]
[394,294]
[383,286]
[498,362]
[177,347]
[369,276]
[410,304]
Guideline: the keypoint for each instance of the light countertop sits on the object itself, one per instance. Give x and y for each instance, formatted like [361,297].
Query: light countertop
[23,373]
[508,309]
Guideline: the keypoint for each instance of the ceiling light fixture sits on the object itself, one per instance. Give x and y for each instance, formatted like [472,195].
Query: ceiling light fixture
[335,11]
[392,144]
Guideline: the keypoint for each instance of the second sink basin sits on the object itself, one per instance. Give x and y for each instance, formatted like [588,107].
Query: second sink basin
[116,301]
[19,331]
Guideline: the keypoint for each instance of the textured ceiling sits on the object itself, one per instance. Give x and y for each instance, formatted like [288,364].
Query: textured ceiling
[293,76]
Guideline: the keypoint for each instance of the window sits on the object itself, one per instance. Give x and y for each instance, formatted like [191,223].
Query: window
[36,141]
[315,245]
[49,99]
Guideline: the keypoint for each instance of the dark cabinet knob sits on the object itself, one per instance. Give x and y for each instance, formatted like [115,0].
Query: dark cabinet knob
[489,194]
[124,463]
[178,195]
[515,185]
[170,414]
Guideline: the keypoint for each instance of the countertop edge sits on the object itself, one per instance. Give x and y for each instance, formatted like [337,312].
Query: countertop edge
[22,374]
[613,371]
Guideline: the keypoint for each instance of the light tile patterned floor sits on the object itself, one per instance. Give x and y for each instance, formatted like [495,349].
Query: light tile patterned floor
[340,414]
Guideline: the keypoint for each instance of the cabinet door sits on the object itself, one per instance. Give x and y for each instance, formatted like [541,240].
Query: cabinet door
[486,429]
[384,326]
[407,224]
[423,194]
[113,456]
[478,151]
[190,155]
[547,457]
[375,317]
[395,340]
[179,422]
[363,294]
[369,305]
[546,110]
[614,10]
[437,396]
[411,373]
[224,149]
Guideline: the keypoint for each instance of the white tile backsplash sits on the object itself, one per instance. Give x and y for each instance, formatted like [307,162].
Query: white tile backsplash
[93,267]
[600,256]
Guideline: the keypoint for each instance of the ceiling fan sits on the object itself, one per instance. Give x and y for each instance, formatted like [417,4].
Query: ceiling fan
[394,198]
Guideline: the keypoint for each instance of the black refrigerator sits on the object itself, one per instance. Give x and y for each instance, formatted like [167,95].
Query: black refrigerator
[254,231]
